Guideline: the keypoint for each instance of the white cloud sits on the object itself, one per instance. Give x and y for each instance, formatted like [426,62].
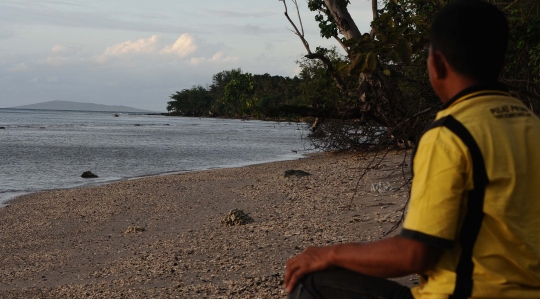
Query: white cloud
[68,50]
[143,45]
[58,49]
[218,57]
[21,67]
[62,55]
[184,46]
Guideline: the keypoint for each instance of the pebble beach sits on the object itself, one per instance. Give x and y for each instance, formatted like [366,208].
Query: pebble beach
[163,237]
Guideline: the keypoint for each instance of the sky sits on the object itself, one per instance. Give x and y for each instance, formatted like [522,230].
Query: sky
[138,52]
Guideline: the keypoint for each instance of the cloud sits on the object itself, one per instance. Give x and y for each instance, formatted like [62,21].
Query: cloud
[143,45]
[58,49]
[21,67]
[61,55]
[184,46]
[144,54]
[218,57]
[69,51]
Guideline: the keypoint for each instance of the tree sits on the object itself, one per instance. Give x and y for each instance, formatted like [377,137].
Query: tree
[318,90]
[522,71]
[190,102]
[279,96]
[383,81]
[217,90]
[239,95]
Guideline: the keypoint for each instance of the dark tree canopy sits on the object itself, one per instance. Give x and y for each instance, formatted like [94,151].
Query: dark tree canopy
[237,94]
[385,99]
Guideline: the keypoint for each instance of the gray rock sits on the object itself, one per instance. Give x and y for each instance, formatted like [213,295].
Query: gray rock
[88,175]
[381,187]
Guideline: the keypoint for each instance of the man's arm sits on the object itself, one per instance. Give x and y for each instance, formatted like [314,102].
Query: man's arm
[390,257]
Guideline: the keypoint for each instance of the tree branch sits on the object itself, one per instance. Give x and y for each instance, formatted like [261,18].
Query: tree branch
[299,18]
[414,116]
[299,33]
[330,67]
[519,91]
[342,44]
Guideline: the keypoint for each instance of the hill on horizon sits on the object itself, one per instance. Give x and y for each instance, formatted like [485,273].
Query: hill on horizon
[67,105]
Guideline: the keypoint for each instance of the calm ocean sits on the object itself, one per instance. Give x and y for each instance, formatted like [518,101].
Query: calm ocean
[43,150]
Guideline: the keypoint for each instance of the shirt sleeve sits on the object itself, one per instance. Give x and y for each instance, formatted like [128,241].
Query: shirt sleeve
[438,192]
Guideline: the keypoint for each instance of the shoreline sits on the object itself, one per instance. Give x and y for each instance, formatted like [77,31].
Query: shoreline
[13,195]
[78,242]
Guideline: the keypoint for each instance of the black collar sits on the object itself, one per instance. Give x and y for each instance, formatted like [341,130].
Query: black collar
[493,86]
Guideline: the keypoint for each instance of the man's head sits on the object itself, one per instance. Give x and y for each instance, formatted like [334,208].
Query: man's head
[472,37]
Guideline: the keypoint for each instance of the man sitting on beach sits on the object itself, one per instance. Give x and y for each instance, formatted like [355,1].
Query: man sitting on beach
[473,225]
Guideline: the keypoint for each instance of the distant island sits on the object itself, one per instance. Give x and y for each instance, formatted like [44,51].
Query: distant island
[76,106]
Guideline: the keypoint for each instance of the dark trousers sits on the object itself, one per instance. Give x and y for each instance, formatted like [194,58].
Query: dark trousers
[344,284]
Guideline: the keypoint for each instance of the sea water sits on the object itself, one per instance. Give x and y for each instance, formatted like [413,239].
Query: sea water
[44,150]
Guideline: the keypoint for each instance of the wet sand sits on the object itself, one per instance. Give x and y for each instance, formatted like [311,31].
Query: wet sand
[161,237]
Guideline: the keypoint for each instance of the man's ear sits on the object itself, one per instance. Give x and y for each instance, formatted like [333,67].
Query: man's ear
[439,65]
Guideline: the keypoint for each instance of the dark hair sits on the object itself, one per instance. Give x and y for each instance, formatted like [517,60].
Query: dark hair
[473,37]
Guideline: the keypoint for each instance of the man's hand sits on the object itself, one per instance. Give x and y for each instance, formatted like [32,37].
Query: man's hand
[392,257]
[311,260]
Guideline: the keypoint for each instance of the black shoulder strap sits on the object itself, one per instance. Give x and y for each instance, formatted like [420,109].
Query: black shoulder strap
[475,203]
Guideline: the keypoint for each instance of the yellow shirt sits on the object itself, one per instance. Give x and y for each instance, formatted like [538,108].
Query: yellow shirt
[476,193]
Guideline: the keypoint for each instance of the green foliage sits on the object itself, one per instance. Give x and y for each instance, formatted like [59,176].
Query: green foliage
[220,81]
[278,96]
[190,102]
[317,87]
[239,94]
[400,36]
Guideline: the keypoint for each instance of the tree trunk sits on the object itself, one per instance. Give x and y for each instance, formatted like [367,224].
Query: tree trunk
[344,21]
[375,11]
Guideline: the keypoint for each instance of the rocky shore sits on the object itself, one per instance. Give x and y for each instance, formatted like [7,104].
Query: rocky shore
[164,237]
